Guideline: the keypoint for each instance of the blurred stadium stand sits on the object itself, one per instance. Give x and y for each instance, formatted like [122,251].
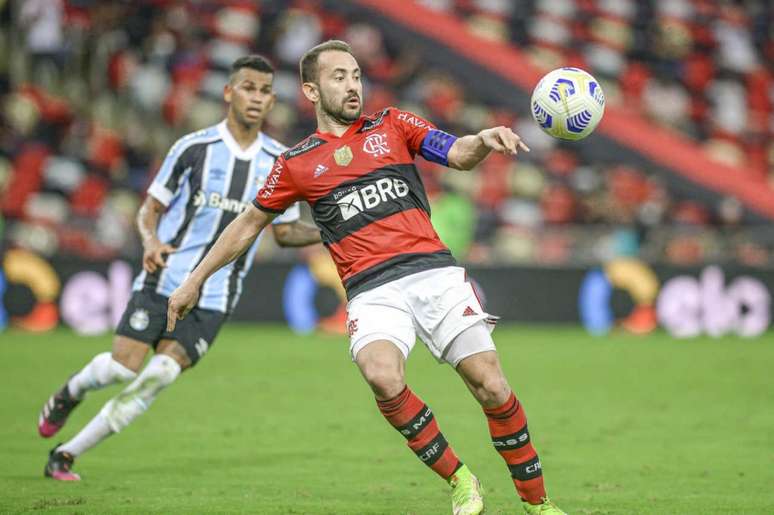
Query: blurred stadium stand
[92,94]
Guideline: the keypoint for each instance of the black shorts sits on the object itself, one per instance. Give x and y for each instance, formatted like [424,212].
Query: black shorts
[145,319]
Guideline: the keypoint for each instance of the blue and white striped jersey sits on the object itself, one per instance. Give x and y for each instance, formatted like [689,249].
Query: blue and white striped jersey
[205,181]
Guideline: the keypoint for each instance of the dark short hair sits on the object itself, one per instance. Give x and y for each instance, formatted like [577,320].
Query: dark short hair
[308,64]
[254,62]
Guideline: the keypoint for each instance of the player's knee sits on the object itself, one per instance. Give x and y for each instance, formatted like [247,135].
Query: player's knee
[160,372]
[388,387]
[108,371]
[175,351]
[385,381]
[381,364]
[492,391]
[120,372]
[128,353]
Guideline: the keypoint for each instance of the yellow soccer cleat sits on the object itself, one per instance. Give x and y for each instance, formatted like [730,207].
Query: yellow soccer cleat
[545,508]
[466,493]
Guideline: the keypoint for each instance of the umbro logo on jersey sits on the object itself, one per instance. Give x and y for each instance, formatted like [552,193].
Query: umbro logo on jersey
[357,200]
[201,347]
[469,312]
[321,169]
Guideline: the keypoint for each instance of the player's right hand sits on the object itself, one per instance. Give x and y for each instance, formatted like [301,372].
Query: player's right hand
[153,255]
[503,140]
[182,300]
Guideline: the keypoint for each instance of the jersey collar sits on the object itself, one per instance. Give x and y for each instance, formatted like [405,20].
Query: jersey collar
[246,154]
[327,136]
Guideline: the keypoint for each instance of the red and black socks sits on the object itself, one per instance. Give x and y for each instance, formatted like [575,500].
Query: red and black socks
[415,421]
[508,427]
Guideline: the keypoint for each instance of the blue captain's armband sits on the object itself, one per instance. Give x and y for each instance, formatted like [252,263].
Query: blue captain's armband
[435,147]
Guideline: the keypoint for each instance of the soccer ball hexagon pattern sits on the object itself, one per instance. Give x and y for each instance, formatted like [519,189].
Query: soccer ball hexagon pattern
[568,103]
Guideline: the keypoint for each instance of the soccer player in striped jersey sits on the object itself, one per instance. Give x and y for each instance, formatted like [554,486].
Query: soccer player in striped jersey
[358,175]
[207,179]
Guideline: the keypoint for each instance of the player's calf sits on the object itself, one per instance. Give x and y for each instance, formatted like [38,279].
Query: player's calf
[505,417]
[118,413]
[511,439]
[412,418]
[100,372]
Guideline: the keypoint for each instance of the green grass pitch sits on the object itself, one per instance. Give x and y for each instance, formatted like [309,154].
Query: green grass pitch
[275,423]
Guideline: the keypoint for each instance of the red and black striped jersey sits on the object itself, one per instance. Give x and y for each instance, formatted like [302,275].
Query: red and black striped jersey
[367,198]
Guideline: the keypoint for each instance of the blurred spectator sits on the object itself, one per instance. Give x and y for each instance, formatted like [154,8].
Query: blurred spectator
[111,84]
[696,66]
[41,21]
[454,219]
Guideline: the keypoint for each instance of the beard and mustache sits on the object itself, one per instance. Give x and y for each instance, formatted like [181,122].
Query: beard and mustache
[338,112]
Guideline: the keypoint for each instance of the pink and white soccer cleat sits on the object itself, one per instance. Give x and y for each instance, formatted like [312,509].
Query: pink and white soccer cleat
[59,465]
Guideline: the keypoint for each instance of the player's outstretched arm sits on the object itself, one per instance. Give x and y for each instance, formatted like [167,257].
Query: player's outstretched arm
[235,239]
[470,150]
[296,234]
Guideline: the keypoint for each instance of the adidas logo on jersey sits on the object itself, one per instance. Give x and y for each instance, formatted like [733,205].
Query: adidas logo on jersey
[356,200]
[217,201]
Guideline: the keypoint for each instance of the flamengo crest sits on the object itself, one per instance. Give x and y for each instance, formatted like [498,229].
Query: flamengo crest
[376,144]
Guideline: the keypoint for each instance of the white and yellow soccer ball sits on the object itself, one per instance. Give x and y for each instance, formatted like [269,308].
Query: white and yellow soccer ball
[568,103]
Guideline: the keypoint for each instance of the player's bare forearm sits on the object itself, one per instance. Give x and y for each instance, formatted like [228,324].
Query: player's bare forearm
[235,239]
[468,151]
[148,218]
[154,251]
[296,234]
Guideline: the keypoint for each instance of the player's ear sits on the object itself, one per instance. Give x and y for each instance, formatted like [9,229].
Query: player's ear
[227,90]
[270,103]
[311,91]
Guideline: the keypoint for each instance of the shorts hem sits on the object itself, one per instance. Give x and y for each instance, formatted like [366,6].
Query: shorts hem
[363,341]
[147,341]
[469,354]
[446,341]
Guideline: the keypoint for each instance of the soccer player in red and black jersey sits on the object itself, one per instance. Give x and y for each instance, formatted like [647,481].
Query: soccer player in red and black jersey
[357,173]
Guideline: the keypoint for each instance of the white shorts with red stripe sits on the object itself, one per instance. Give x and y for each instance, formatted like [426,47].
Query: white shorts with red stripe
[435,305]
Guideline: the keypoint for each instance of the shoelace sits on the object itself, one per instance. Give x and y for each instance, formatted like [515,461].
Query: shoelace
[67,461]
